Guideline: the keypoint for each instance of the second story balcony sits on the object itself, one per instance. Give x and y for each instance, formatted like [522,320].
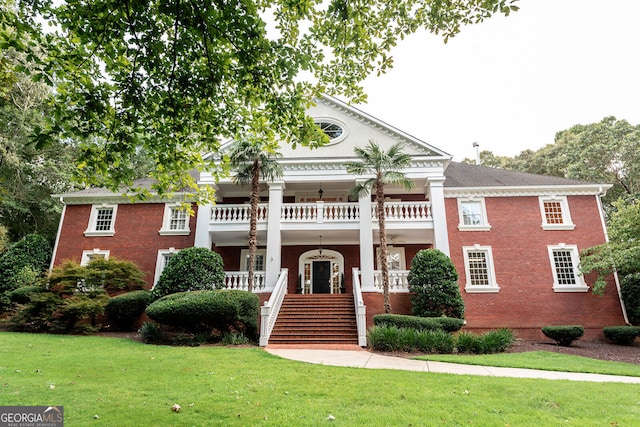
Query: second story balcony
[411,214]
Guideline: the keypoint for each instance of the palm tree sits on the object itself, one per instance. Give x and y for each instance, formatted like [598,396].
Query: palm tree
[254,159]
[386,169]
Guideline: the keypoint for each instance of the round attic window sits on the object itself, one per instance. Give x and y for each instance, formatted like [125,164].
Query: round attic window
[333,130]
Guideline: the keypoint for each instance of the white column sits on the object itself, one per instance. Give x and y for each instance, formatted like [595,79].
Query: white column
[366,243]
[202,237]
[274,238]
[436,197]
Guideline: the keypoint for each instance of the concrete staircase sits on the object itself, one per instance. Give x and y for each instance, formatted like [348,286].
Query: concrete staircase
[316,319]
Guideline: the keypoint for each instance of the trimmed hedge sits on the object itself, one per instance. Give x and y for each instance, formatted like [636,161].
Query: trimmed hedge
[191,269]
[563,335]
[447,324]
[124,309]
[624,335]
[201,311]
[433,282]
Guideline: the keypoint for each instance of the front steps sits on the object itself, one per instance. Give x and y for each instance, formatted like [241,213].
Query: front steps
[318,319]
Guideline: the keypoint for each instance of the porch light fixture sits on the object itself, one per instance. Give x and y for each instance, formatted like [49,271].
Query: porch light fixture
[320,193]
[320,246]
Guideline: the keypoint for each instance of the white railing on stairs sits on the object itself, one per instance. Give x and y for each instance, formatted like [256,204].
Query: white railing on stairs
[270,310]
[361,309]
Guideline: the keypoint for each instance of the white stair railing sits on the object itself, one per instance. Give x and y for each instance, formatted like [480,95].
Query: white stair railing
[361,309]
[269,312]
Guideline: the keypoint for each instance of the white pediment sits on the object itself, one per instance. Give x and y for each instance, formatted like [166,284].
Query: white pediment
[359,128]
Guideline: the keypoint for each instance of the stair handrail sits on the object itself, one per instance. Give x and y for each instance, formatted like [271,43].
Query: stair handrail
[361,309]
[270,310]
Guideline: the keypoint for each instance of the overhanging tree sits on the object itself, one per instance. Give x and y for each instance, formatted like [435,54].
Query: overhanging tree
[174,78]
[386,168]
[253,159]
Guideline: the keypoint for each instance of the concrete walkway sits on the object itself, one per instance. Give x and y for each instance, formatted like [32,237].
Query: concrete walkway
[366,359]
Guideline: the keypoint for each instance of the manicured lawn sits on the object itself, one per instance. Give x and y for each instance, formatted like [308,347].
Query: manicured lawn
[127,383]
[546,360]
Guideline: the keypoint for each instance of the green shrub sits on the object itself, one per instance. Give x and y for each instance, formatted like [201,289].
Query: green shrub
[384,338]
[624,335]
[229,338]
[123,310]
[563,335]
[630,292]
[32,251]
[392,338]
[433,282]
[152,333]
[198,311]
[114,275]
[496,341]
[448,324]
[23,294]
[191,269]
[444,342]
[467,342]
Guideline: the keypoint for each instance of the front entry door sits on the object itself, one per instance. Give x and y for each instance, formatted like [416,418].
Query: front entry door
[321,277]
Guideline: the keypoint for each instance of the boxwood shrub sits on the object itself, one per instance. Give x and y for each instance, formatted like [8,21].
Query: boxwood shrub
[200,311]
[563,335]
[624,335]
[447,324]
[123,310]
[191,269]
[630,292]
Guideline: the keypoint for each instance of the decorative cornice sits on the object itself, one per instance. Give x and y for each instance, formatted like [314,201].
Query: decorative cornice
[113,198]
[547,190]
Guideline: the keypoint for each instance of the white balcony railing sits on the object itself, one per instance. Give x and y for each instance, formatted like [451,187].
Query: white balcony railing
[232,214]
[240,280]
[321,212]
[398,281]
[404,211]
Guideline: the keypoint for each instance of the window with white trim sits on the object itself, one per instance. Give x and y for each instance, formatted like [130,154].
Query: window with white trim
[163,258]
[555,213]
[92,254]
[564,265]
[395,258]
[479,270]
[472,215]
[175,221]
[102,220]
[259,264]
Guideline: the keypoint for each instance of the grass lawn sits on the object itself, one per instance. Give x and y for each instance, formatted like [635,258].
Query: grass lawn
[546,360]
[127,383]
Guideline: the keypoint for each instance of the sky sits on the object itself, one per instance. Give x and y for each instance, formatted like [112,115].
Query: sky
[510,83]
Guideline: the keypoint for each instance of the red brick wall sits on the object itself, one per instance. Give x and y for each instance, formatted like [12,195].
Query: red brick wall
[526,300]
[136,236]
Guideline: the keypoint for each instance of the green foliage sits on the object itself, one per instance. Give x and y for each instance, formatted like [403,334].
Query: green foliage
[433,285]
[623,248]
[123,310]
[32,252]
[189,270]
[563,335]
[114,275]
[229,338]
[152,333]
[23,294]
[175,80]
[392,338]
[197,311]
[630,291]
[447,324]
[624,335]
